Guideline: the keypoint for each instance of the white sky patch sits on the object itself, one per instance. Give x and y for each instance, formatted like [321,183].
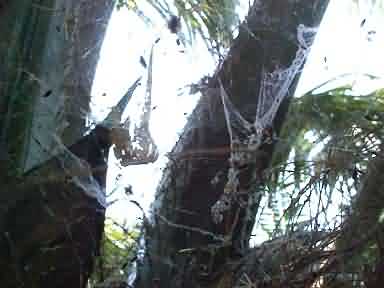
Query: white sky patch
[174,67]
[342,46]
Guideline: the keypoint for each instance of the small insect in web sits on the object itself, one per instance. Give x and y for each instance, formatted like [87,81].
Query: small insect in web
[370,35]
[128,190]
[174,24]
[143,62]
[47,94]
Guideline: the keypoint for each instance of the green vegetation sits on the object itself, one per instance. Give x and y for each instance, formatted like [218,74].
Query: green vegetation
[119,248]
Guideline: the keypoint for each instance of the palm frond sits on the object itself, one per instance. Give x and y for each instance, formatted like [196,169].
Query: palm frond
[327,141]
[214,21]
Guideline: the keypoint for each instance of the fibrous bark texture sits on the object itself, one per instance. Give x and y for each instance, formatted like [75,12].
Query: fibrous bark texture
[48,55]
[50,226]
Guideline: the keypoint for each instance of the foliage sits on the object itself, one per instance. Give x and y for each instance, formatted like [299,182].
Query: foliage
[118,250]
[328,139]
[214,21]
[341,123]
[320,161]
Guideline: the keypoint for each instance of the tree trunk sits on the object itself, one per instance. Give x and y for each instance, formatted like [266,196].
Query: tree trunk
[48,55]
[184,247]
[52,220]
[50,229]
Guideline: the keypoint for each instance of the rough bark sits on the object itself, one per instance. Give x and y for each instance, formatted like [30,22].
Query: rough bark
[48,55]
[87,25]
[50,228]
[184,247]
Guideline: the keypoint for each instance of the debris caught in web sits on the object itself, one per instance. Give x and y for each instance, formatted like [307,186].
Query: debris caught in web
[141,148]
[137,147]
[79,172]
[114,117]
[246,137]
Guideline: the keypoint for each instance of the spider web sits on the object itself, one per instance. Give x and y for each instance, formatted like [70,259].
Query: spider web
[141,148]
[79,172]
[246,137]
[144,148]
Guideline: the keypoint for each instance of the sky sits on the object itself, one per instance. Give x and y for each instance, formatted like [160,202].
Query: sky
[342,46]
[174,67]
